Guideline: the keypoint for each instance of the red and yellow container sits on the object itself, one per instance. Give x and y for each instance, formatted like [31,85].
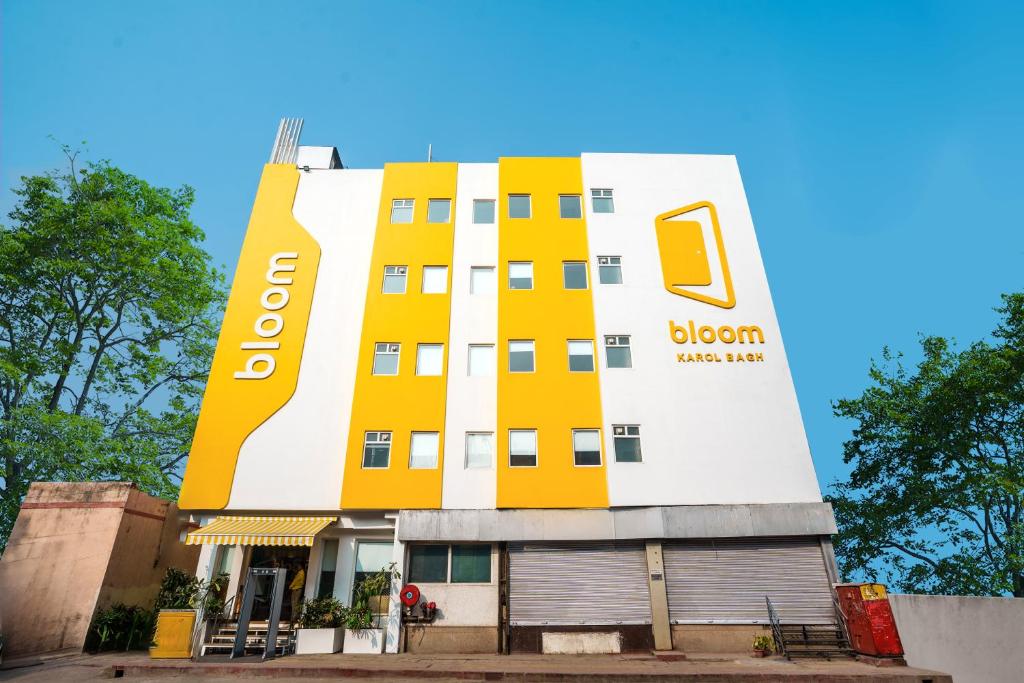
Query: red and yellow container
[869,619]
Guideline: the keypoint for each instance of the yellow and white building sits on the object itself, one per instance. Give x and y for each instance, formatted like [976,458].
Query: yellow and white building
[553,390]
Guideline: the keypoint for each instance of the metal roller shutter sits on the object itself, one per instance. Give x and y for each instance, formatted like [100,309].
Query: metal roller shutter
[578,583]
[725,581]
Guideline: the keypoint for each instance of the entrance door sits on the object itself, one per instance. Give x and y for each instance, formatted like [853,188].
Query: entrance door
[292,558]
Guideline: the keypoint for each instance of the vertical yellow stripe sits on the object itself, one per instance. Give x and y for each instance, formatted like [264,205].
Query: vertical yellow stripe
[551,400]
[406,402]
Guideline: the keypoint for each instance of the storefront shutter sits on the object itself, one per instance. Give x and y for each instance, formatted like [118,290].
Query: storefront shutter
[578,583]
[725,581]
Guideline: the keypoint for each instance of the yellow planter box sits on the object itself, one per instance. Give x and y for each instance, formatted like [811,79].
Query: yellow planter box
[173,639]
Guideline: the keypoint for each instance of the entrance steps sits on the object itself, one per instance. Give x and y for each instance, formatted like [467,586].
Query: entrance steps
[813,640]
[222,641]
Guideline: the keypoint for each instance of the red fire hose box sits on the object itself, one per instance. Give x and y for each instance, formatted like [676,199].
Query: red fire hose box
[869,619]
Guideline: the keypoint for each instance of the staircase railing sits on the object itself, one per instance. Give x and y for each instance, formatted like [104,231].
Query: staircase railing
[841,620]
[773,619]
[200,636]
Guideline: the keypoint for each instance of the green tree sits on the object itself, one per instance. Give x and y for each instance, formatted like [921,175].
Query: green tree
[108,318]
[934,501]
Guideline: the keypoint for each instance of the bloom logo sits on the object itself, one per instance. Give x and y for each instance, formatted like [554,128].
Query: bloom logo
[685,262]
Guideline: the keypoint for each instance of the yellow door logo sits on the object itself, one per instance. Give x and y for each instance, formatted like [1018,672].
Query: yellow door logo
[684,255]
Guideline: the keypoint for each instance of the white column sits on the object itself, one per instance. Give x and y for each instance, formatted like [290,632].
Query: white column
[393,631]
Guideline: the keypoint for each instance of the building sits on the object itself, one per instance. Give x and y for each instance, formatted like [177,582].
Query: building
[552,390]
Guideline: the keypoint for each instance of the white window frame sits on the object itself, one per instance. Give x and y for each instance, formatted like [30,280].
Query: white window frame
[423,279]
[618,343]
[494,452]
[569,354]
[437,450]
[508,283]
[395,271]
[608,262]
[536,449]
[381,437]
[533,354]
[387,351]
[602,193]
[451,556]
[403,204]
[579,206]
[429,345]
[529,202]
[483,269]
[436,200]
[622,432]
[494,211]
[600,451]
[586,276]
[469,359]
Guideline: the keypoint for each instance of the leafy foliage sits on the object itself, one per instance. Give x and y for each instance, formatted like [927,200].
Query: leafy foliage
[108,318]
[322,612]
[181,590]
[936,494]
[121,627]
[361,615]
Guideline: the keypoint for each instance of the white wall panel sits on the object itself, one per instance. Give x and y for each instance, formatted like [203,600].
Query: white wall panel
[472,401]
[711,433]
[295,460]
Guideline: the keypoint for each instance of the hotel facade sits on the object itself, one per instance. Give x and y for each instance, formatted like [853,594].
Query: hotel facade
[552,390]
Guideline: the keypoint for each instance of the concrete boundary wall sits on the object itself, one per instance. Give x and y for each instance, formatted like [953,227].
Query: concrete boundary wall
[977,640]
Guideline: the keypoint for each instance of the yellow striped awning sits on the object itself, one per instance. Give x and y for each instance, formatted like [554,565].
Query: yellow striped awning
[259,531]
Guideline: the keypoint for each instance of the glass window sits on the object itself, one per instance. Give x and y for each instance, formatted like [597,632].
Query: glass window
[520,275]
[328,567]
[483,211]
[370,558]
[482,280]
[394,279]
[435,279]
[569,206]
[627,443]
[602,201]
[482,361]
[423,450]
[377,450]
[471,564]
[586,447]
[401,210]
[574,274]
[428,564]
[479,450]
[581,356]
[429,359]
[385,358]
[519,206]
[520,356]
[609,270]
[439,210]
[616,349]
[522,448]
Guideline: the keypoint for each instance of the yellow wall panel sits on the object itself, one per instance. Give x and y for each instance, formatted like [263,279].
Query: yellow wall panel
[551,399]
[405,402]
[240,393]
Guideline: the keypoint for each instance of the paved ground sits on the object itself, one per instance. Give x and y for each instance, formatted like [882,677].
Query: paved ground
[449,668]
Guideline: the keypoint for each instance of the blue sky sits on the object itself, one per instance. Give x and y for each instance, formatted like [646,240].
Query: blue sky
[880,143]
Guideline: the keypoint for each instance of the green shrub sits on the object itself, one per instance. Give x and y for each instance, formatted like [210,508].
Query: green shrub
[181,590]
[121,627]
[324,612]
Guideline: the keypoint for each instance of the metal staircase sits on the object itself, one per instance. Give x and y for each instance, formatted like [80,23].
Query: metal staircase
[223,639]
[828,641]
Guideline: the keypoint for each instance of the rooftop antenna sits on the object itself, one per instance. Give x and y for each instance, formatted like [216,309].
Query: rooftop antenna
[430,152]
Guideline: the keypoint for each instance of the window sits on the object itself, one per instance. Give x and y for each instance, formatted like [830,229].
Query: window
[627,443]
[586,447]
[609,270]
[520,356]
[574,274]
[482,280]
[429,359]
[394,279]
[569,206]
[520,275]
[435,279]
[401,210]
[522,448]
[385,358]
[601,201]
[483,211]
[616,349]
[581,355]
[519,206]
[439,211]
[377,450]
[328,567]
[479,450]
[482,361]
[428,564]
[471,563]
[371,557]
[423,451]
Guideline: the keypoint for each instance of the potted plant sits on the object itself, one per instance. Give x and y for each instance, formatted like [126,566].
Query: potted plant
[180,600]
[363,633]
[763,646]
[320,626]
